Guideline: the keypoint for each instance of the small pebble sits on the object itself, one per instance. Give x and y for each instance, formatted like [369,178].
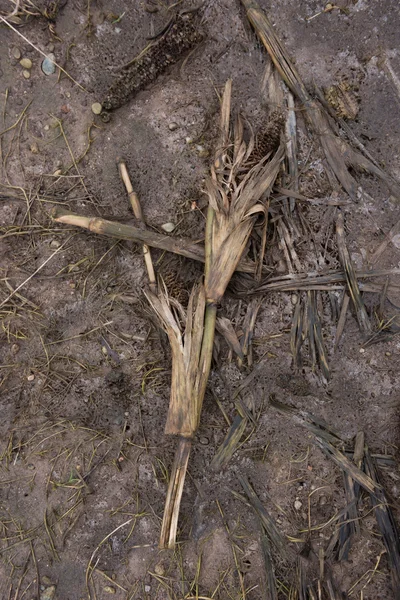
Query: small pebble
[57,173]
[173,126]
[168,227]
[362,350]
[46,580]
[55,244]
[31,377]
[48,593]
[388,353]
[204,440]
[34,148]
[31,467]
[46,127]
[159,569]
[51,47]
[68,94]
[294,299]
[26,74]
[14,349]
[17,53]
[109,589]
[48,66]
[204,153]
[297,505]
[147,588]
[189,140]
[26,63]
[96,108]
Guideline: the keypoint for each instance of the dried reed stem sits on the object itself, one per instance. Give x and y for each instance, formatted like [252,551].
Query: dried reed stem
[137,211]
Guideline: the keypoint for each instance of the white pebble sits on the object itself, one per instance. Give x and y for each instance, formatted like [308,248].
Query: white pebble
[297,505]
[168,227]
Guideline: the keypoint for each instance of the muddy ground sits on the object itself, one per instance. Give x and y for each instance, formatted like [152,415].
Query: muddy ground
[84,377]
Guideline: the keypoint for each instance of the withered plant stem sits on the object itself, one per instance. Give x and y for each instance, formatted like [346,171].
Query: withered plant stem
[137,211]
[129,232]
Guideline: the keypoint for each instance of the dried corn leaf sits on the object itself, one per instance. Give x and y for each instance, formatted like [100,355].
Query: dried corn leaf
[234,200]
[186,348]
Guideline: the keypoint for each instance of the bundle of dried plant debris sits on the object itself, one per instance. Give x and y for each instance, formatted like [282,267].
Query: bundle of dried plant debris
[234,191]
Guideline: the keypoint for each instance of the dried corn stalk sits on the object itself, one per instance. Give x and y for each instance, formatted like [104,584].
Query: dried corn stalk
[234,193]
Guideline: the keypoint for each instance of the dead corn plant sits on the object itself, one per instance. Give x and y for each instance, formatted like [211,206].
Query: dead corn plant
[236,197]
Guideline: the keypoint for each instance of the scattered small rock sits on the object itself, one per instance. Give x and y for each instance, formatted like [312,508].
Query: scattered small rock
[31,377]
[55,244]
[26,74]
[14,349]
[294,299]
[96,108]
[48,66]
[168,227]
[57,173]
[297,505]
[147,588]
[17,53]
[203,152]
[109,589]
[48,593]
[51,47]
[159,569]
[34,148]
[26,63]
[173,126]
[204,440]
[189,140]
[45,580]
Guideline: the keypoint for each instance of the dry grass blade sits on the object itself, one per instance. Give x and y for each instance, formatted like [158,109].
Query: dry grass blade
[338,153]
[245,408]
[230,443]
[342,319]
[317,426]
[347,466]
[386,523]
[128,232]
[267,521]
[315,334]
[321,282]
[248,328]
[272,592]
[225,328]
[351,278]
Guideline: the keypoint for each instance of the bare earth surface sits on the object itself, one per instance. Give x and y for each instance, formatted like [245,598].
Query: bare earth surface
[84,378]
